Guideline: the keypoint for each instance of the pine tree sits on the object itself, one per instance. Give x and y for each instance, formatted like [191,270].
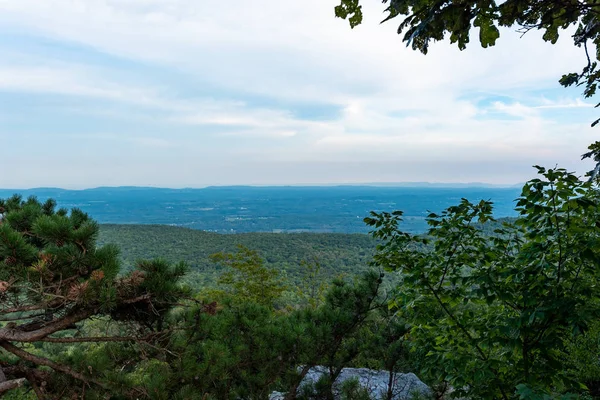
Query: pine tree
[54,280]
[332,335]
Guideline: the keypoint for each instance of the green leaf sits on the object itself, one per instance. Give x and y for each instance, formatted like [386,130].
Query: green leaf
[350,10]
[488,32]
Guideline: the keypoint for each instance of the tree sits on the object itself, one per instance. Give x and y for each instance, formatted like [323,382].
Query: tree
[311,289]
[508,303]
[582,358]
[233,350]
[333,332]
[247,279]
[243,348]
[54,279]
[426,20]
[385,346]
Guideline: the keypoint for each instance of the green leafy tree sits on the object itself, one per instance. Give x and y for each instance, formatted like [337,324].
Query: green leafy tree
[312,287]
[582,357]
[508,302]
[247,279]
[54,279]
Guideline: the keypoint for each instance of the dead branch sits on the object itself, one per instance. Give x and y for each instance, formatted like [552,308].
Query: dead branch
[16,335]
[12,384]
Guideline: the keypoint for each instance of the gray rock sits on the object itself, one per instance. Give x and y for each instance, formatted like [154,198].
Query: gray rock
[376,383]
[277,396]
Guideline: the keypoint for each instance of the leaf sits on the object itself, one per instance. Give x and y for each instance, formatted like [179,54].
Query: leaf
[488,33]
[350,10]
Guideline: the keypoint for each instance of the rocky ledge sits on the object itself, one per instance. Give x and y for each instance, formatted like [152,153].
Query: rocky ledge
[405,386]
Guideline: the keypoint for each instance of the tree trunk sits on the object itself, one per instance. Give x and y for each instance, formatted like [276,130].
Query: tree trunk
[390,391]
[291,394]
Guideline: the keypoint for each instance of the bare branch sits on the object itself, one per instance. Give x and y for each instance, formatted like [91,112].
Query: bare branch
[12,384]
[55,326]
[91,339]
[137,299]
[22,317]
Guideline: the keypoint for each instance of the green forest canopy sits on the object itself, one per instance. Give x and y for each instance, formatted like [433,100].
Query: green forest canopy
[336,253]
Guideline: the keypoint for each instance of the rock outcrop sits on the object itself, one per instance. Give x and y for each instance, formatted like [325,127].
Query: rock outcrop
[376,383]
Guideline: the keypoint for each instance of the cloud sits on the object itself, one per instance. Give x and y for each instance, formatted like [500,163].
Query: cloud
[515,110]
[278,82]
[565,103]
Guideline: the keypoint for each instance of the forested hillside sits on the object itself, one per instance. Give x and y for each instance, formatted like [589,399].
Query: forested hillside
[336,253]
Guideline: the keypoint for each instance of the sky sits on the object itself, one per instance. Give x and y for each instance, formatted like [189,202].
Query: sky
[191,93]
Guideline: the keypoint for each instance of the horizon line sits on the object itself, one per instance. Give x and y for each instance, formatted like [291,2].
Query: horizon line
[417,184]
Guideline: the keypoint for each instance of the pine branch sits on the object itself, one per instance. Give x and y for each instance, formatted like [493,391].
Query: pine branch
[41,361]
[104,338]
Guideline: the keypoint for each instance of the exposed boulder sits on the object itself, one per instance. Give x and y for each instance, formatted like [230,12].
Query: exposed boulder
[376,383]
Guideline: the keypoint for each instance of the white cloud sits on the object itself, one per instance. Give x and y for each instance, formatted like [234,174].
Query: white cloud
[515,110]
[565,103]
[243,67]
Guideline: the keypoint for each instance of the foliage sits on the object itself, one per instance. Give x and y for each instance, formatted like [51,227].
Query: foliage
[307,261]
[238,351]
[246,349]
[312,287]
[247,279]
[348,390]
[497,310]
[54,278]
[335,331]
[582,358]
[385,345]
[508,302]
[336,254]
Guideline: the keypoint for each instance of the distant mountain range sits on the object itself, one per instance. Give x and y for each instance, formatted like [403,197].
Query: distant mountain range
[234,209]
[438,184]
[365,184]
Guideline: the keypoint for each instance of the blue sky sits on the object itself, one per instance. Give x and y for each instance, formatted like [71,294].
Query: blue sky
[189,93]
